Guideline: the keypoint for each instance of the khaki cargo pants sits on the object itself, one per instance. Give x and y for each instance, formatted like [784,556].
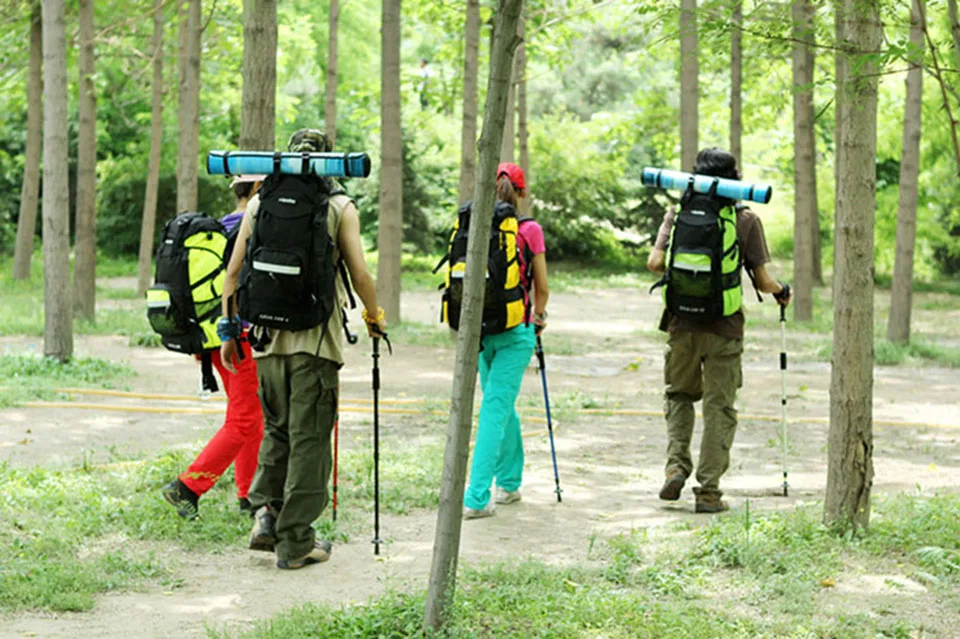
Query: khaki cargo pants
[701,366]
[299,398]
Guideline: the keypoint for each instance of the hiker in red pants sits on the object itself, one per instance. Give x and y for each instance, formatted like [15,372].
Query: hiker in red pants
[238,440]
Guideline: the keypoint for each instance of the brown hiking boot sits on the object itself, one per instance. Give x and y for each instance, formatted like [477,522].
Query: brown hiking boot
[672,487]
[710,504]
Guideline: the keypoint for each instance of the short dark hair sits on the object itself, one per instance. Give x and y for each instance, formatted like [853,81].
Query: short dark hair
[243,189]
[717,162]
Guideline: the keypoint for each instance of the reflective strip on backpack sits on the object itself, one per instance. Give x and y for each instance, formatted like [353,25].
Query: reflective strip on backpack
[695,263]
[280,269]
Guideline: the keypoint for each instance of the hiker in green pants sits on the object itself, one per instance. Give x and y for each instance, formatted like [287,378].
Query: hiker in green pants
[498,451]
[705,326]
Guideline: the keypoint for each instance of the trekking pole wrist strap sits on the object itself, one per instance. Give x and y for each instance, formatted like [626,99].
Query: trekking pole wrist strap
[229,328]
[784,292]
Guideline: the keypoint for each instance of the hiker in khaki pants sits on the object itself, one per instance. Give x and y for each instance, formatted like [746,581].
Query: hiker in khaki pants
[702,360]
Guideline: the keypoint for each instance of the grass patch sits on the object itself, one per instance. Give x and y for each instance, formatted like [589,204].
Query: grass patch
[918,352]
[31,377]
[421,334]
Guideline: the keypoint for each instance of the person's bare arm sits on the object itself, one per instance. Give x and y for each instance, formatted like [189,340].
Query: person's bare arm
[228,349]
[657,260]
[541,289]
[351,248]
[766,284]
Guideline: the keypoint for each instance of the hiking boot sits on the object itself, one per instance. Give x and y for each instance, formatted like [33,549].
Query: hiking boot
[320,553]
[182,498]
[264,534]
[474,513]
[710,505]
[245,507]
[672,487]
[508,497]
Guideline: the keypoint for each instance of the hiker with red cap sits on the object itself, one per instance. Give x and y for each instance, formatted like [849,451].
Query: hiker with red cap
[238,440]
[508,342]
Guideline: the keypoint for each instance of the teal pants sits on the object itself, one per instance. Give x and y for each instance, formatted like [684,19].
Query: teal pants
[498,452]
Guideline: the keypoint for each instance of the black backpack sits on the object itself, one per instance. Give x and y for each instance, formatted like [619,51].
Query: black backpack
[288,279]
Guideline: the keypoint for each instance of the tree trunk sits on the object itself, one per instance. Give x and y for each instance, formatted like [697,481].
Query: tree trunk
[30,193]
[523,131]
[689,84]
[189,121]
[446,546]
[85,248]
[258,115]
[509,130]
[57,301]
[148,227]
[850,445]
[817,251]
[898,328]
[804,161]
[390,234]
[954,27]
[330,90]
[468,139]
[736,82]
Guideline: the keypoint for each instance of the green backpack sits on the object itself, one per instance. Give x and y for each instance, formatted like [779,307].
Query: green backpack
[702,275]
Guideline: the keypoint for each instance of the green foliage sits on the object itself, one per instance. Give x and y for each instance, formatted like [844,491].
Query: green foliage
[29,376]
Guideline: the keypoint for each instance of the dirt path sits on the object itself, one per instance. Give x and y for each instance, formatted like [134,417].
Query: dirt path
[611,465]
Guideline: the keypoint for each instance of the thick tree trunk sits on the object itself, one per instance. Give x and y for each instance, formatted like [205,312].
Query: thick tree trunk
[689,84]
[468,138]
[804,161]
[30,192]
[330,89]
[446,546]
[736,82]
[258,115]
[57,301]
[901,299]
[390,234]
[189,117]
[523,131]
[850,459]
[148,227]
[85,249]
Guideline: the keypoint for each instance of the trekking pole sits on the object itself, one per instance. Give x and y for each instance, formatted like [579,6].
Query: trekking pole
[376,446]
[546,402]
[783,391]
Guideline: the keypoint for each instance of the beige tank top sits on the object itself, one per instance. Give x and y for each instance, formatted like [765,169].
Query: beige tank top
[290,342]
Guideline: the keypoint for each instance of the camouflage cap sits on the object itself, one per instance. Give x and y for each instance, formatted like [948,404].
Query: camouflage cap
[309,140]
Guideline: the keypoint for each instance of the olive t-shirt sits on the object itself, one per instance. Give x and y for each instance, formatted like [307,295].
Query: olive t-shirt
[753,248]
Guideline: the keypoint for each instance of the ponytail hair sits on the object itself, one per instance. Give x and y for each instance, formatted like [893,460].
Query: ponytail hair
[506,192]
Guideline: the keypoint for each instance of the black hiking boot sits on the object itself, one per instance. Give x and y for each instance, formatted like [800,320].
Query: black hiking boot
[320,553]
[672,487]
[183,499]
[245,507]
[264,534]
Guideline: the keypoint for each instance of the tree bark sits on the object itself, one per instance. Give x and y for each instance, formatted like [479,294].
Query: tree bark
[57,301]
[390,234]
[804,161]
[901,299]
[189,120]
[509,130]
[85,249]
[258,114]
[523,131]
[736,82]
[446,547]
[468,138]
[330,89]
[954,28]
[149,225]
[689,84]
[30,192]
[850,459]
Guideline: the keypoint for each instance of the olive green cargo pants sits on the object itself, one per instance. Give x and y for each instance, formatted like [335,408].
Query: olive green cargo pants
[701,366]
[299,398]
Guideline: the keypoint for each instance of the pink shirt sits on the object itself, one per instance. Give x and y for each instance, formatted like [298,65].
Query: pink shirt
[529,237]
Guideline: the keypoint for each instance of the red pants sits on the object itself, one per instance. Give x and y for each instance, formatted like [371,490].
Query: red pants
[238,440]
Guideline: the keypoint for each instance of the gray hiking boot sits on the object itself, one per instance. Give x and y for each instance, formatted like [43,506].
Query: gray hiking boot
[505,497]
[264,534]
[474,513]
[321,552]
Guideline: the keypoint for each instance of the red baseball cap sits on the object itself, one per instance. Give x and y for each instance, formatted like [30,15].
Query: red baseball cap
[514,173]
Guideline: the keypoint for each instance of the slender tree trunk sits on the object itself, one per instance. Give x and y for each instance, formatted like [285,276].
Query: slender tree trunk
[523,131]
[390,235]
[736,82]
[898,328]
[330,90]
[258,112]
[57,301]
[954,28]
[804,161]
[149,225]
[468,139]
[446,546]
[689,84]
[509,130]
[817,252]
[850,459]
[189,121]
[85,249]
[30,193]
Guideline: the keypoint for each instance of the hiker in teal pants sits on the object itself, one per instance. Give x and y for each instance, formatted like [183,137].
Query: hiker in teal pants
[498,452]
